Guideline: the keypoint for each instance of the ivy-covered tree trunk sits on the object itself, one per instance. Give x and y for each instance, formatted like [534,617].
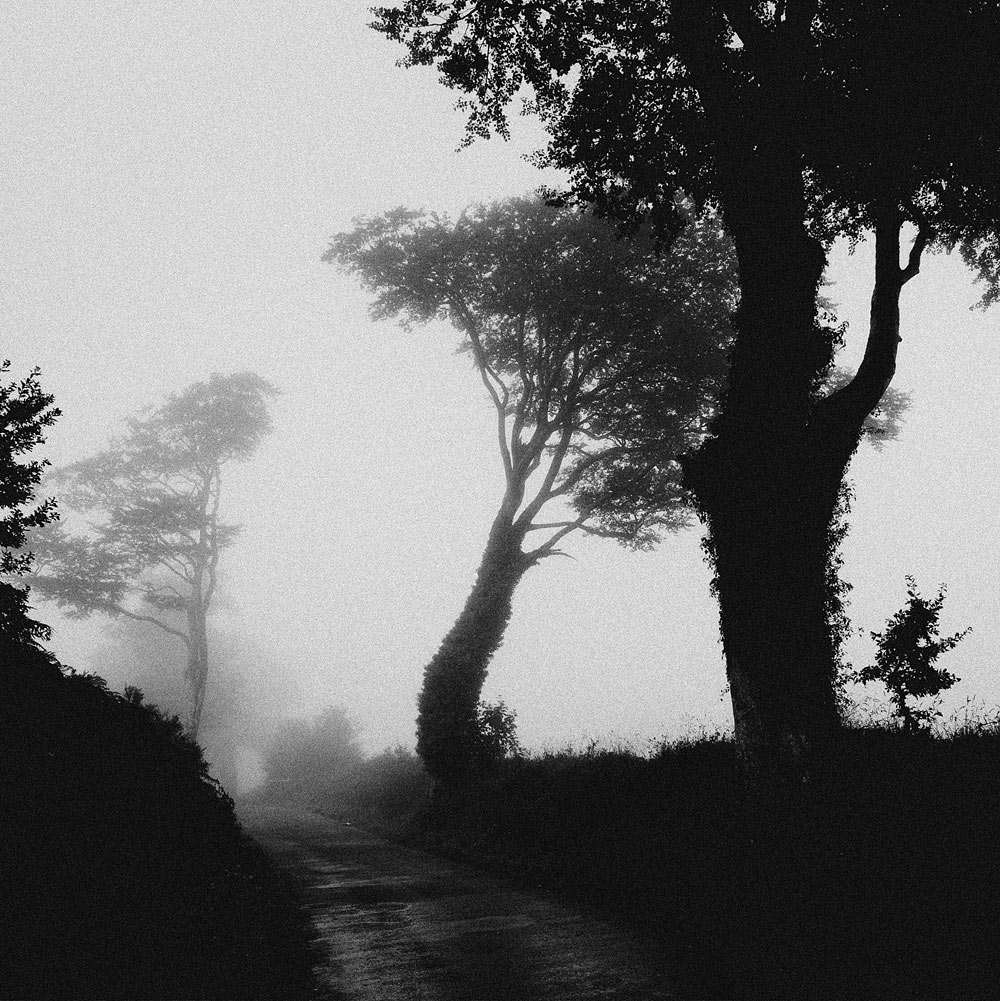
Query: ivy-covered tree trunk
[768,480]
[770,515]
[447,721]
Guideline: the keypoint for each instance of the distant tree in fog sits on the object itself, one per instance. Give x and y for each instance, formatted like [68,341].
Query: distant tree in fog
[308,761]
[153,538]
[25,411]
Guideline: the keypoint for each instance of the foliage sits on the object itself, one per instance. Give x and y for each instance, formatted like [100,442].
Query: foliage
[498,732]
[124,872]
[310,761]
[906,651]
[642,100]
[601,357]
[800,122]
[25,411]
[154,536]
[389,791]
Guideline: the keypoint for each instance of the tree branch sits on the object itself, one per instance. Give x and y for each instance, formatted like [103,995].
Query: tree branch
[486,373]
[156,622]
[912,269]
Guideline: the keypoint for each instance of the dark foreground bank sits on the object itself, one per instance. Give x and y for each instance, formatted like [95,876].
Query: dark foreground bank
[883,880]
[123,872]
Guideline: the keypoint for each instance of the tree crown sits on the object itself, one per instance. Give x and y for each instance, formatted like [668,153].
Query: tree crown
[874,103]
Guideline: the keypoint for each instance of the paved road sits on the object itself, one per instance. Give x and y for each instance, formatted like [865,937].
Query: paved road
[399,925]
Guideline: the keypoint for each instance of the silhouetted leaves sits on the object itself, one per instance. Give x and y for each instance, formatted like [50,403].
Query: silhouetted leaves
[907,649]
[25,412]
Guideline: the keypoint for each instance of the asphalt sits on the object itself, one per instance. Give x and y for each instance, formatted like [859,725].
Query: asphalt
[396,924]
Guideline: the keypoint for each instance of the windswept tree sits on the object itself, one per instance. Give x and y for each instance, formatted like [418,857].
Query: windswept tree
[25,412]
[153,537]
[801,121]
[602,362]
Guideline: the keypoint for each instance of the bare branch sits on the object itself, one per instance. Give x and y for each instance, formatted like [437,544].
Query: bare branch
[491,381]
[912,269]
[154,621]
[547,548]
[544,493]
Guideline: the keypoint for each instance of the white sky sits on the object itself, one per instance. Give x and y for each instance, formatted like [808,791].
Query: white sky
[172,173]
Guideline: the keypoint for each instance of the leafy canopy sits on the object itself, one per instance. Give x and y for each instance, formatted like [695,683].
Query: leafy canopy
[151,499]
[602,358]
[874,103]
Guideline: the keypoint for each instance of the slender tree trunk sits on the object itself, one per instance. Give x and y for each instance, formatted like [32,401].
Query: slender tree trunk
[197,663]
[447,721]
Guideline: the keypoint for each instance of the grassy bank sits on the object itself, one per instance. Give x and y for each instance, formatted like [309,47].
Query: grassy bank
[882,881]
[124,873]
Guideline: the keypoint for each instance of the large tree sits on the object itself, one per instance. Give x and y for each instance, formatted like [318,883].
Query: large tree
[802,121]
[153,537]
[601,360]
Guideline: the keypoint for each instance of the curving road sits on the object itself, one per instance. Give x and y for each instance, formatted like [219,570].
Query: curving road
[397,924]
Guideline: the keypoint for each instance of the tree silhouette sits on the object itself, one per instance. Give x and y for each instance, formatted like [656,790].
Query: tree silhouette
[802,121]
[603,362]
[25,412]
[154,539]
[907,649]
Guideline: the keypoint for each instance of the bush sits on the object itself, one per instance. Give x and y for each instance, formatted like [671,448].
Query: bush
[124,872]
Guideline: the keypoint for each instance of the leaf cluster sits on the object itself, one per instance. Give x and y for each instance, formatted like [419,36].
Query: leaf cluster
[150,500]
[878,103]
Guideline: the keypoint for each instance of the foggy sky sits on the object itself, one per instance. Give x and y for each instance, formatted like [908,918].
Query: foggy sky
[172,174]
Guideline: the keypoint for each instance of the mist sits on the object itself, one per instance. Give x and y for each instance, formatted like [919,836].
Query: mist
[171,214]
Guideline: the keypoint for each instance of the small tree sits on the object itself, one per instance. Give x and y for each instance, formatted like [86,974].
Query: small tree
[907,649]
[25,411]
[154,538]
[498,733]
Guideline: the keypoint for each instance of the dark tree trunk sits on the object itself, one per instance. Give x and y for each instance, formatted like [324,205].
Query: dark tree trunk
[768,484]
[447,722]
[769,511]
[769,479]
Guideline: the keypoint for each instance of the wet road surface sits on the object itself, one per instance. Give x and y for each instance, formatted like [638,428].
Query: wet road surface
[396,924]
